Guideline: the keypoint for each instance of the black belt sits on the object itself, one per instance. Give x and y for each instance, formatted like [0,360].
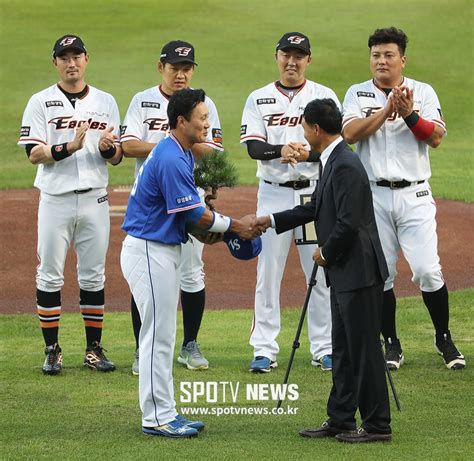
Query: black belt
[82,191]
[296,185]
[397,184]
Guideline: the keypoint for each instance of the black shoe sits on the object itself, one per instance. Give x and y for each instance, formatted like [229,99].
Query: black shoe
[393,354]
[96,359]
[54,360]
[362,436]
[324,431]
[444,345]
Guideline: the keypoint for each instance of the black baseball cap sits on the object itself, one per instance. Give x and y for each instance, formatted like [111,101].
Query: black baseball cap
[68,42]
[177,51]
[294,40]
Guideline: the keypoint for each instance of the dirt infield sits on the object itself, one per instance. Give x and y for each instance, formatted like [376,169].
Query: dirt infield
[230,283]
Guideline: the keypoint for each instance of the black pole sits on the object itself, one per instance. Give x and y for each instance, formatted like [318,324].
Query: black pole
[392,384]
[296,342]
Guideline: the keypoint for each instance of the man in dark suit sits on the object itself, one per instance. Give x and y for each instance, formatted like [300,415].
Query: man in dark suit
[351,255]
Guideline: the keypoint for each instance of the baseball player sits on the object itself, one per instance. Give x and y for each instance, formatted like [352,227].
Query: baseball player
[393,120]
[146,124]
[163,200]
[272,131]
[70,130]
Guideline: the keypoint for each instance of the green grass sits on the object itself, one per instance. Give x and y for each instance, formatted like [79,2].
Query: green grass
[85,415]
[235,44]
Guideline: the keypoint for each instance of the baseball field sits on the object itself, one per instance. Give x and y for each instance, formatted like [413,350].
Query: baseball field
[82,415]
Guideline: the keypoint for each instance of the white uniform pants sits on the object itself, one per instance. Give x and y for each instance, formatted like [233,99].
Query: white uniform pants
[82,218]
[152,272]
[271,264]
[406,220]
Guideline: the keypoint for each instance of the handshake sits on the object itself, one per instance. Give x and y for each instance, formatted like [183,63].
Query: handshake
[250,227]
[294,152]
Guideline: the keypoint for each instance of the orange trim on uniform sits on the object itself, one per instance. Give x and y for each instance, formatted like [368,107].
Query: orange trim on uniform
[91,323]
[49,324]
[92,310]
[48,312]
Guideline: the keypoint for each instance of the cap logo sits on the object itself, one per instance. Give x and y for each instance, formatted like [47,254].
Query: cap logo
[296,39]
[67,41]
[183,51]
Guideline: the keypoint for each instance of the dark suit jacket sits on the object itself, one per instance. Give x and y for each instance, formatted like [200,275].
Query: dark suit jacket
[344,217]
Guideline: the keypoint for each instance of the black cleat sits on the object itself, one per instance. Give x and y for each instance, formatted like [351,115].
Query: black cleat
[96,359]
[393,354]
[54,360]
[445,347]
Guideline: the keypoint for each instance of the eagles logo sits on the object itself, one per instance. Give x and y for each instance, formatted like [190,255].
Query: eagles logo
[296,39]
[183,50]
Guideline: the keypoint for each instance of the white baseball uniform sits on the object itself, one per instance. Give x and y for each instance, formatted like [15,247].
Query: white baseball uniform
[405,216]
[73,201]
[146,120]
[271,116]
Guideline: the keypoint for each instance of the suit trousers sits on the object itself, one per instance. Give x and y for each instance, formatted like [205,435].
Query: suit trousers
[358,371]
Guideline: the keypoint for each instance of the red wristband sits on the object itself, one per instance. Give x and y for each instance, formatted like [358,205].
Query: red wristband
[423,129]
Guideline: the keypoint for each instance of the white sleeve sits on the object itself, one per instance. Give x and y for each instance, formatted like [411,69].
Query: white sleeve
[351,108]
[253,126]
[115,119]
[33,124]
[334,97]
[133,127]
[431,108]
[214,137]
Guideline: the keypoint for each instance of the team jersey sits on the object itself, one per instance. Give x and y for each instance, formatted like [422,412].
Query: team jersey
[50,118]
[392,152]
[271,116]
[163,189]
[147,120]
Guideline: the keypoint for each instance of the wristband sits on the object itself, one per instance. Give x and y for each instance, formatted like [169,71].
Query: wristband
[59,152]
[109,153]
[421,128]
[220,223]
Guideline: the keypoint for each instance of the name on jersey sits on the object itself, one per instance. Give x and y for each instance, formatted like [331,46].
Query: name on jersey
[54,104]
[63,123]
[157,124]
[25,131]
[279,120]
[186,198]
[217,135]
[365,94]
[151,105]
[266,101]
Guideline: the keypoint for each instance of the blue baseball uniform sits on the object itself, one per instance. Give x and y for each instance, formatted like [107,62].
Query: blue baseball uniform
[163,191]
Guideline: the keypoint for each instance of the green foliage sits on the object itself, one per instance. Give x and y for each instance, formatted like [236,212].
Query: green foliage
[85,415]
[236,56]
[214,170]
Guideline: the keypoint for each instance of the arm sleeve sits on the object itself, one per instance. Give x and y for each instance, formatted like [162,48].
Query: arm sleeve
[214,137]
[132,127]
[431,108]
[351,109]
[178,187]
[260,150]
[253,126]
[193,215]
[33,124]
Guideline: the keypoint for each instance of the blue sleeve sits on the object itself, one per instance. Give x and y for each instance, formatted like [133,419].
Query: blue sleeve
[178,186]
[193,215]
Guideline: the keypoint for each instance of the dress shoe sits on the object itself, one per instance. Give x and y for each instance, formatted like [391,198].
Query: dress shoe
[362,436]
[324,431]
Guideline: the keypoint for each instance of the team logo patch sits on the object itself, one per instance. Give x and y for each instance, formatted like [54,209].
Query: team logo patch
[184,199]
[365,94]
[63,123]
[422,193]
[243,130]
[217,135]
[67,41]
[279,120]
[157,124]
[103,199]
[123,129]
[54,104]
[266,101]
[182,50]
[296,39]
[151,105]
[25,131]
